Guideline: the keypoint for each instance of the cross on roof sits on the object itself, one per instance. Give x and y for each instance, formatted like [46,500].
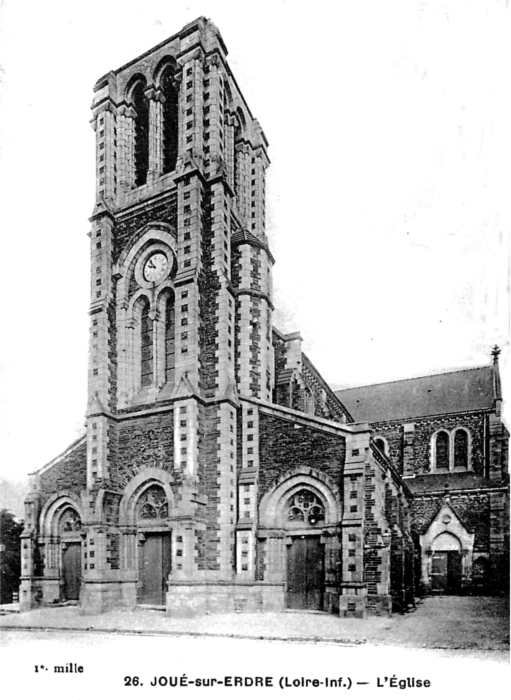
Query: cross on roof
[495,354]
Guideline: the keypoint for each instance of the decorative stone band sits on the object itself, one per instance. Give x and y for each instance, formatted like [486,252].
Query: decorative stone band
[242,237]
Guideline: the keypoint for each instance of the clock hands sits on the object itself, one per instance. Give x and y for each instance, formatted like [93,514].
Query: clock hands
[155,267]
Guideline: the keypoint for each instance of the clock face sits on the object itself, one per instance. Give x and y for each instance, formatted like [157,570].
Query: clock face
[155,267]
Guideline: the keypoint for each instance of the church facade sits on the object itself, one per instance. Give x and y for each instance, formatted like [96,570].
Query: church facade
[218,470]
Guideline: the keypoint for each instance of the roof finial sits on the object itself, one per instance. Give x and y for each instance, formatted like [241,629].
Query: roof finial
[495,354]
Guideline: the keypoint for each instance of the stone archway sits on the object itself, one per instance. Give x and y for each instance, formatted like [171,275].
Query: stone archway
[447,552]
[145,511]
[70,528]
[154,557]
[305,510]
[60,544]
[297,519]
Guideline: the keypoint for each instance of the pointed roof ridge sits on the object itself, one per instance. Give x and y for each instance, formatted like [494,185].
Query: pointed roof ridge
[411,379]
[77,442]
[470,389]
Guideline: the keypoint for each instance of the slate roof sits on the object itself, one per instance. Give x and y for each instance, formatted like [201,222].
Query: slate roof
[451,392]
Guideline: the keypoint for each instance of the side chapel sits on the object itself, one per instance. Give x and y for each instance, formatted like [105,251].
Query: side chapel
[218,470]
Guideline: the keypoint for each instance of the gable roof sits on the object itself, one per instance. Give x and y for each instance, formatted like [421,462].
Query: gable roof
[451,392]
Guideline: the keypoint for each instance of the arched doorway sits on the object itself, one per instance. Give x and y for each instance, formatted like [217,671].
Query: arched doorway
[298,539]
[69,528]
[305,511]
[447,553]
[446,567]
[154,556]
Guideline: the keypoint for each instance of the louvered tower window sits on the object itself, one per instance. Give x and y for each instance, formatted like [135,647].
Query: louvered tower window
[170,121]
[141,105]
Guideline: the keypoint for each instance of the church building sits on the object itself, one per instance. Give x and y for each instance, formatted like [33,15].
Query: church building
[219,471]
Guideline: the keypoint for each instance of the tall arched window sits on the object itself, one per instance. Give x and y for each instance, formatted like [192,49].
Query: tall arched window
[170,349]
[442,451]
[141,106]
[170,121]
[146,346]
[461,449]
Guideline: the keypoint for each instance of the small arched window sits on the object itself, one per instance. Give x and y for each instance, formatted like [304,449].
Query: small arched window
[381,445]
[442,451]
[146,346]
[170,348]
[461,449]
[141,106]
[170,120]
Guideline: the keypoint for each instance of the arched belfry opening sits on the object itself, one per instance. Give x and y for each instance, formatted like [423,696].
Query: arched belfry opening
[239,131]
[141,107]
[170,91]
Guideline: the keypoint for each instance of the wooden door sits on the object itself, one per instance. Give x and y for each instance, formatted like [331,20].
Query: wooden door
[72,570]
[453,573]
[446,572]
[305,574]
[156,564]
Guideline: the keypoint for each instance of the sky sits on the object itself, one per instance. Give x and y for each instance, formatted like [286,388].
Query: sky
[387,198]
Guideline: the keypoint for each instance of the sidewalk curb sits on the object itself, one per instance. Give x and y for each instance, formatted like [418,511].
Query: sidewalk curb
[175,633]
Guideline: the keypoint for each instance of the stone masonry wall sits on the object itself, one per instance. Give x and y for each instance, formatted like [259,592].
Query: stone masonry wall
[69,474]
[285,445]
[142,442]
[164,212]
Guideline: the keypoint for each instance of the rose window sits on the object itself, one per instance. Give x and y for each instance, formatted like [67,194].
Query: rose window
[306,507]
[70,521]
[153,504]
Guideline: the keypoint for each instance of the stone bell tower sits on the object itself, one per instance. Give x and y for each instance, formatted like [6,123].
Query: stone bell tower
[180,317]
